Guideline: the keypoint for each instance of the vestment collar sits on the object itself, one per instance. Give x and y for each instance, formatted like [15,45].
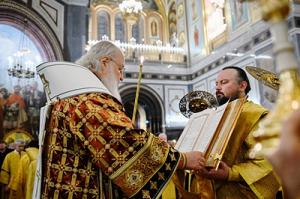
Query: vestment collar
[64,79]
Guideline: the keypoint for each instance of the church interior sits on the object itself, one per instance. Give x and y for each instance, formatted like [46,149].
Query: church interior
[184,44]
[173,50]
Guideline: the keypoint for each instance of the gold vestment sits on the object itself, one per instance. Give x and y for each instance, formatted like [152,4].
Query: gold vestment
[9,171]
[24,180]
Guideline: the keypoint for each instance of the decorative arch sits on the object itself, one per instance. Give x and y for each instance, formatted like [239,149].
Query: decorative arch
[13,14]
[151,103]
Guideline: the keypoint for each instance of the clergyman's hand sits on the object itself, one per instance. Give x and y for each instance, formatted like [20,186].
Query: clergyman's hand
[194,160]
[220,174]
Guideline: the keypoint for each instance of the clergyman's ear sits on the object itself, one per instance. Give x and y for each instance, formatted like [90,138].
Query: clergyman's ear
[104,60]
[244,85]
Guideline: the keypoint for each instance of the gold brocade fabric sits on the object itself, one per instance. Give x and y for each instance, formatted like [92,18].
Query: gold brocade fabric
[248,178]
[91,132]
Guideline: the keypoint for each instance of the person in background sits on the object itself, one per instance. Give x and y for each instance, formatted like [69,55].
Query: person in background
[9,170]
[15,115]
[34,100]
[24,180]
[3,152]
[3,98]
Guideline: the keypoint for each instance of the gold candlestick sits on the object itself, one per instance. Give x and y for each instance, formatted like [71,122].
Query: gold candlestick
[136,101]
[267,135]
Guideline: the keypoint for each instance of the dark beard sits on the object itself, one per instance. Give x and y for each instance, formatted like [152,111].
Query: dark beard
[222,100]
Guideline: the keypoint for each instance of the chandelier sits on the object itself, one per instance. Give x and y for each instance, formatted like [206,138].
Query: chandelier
[131,10]
[20,67]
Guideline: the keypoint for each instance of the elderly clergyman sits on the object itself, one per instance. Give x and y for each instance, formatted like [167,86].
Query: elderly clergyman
[90,147]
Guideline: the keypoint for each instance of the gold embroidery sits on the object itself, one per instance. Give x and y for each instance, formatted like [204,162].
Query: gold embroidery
[148,163]
[59,149]
[117,137]
[153,185]
[172,157]
[45,83]
[96,133]
[161,176]
[135,178]
[120,158]
[146,194]
[134,158]
[168,167]
[157,154]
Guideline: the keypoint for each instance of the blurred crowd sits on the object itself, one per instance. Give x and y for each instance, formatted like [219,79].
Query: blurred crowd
[20,109]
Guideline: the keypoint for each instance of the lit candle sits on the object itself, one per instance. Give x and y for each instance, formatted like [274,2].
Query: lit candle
[137,90]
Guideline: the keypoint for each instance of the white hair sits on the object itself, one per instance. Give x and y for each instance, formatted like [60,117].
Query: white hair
[100,49]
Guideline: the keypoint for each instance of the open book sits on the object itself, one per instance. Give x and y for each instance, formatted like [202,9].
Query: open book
[209,131]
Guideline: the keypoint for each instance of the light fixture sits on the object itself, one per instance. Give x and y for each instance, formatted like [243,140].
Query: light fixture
[20,66]
[131,10]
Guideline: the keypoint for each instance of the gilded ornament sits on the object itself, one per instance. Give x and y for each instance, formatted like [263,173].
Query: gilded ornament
[134,178]
[157,154]
[266,77]
[196,101]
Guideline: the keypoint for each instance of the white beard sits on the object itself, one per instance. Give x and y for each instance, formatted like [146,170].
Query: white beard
[112,86]
[115,92]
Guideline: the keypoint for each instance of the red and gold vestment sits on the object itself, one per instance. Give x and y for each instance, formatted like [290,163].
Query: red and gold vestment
[88,138]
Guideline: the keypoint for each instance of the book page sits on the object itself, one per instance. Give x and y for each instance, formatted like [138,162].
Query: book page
[209,129]
[200,129]
[190,133]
